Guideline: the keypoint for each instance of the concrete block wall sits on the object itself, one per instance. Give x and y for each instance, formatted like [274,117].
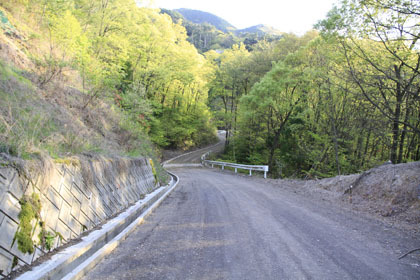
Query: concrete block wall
[73,198]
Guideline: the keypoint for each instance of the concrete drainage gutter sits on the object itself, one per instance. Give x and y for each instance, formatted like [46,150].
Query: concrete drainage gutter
[75,261]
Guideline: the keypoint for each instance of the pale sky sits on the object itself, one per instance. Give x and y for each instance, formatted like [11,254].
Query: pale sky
[297,16]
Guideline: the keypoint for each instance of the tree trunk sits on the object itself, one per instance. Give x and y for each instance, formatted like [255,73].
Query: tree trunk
[402,139]
[396,119]
[273,148]
[332,116]
[366,148]
[337,162]
[224,99]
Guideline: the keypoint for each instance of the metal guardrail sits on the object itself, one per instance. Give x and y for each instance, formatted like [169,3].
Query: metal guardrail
[263,168]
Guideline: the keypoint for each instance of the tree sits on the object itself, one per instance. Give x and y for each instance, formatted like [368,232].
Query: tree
[276,99]
[378,39]
[230,82]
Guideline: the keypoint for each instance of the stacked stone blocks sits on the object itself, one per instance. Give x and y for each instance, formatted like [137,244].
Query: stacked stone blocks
[73,198]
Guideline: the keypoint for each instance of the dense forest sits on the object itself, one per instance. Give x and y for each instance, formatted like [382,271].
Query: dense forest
[133,57]
[209,32]
[337,100]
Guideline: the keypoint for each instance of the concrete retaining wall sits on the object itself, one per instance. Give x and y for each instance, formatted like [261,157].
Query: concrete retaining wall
[74,197]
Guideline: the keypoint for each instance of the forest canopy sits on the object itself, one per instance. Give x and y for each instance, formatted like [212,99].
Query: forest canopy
[339,99]
[336,101]
[132,55]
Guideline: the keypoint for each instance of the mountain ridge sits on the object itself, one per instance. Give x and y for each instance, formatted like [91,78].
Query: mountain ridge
[260,29]
[202,17]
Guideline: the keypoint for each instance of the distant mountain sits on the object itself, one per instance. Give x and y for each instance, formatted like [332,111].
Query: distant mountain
[201,17]
[176,17]
[210,32]
[260,29]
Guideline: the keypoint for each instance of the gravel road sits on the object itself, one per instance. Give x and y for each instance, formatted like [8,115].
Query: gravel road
[195,156]
[217,225]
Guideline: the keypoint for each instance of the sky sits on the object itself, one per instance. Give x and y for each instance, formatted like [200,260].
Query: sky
[297,16]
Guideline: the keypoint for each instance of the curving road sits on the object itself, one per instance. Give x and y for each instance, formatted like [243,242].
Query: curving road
[194,157]
[219,225]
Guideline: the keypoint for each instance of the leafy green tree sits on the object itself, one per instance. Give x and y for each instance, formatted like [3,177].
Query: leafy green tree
[276,99]
[379,39]
[229,83]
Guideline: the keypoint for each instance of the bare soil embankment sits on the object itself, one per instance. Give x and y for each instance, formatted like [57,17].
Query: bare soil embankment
[389,192]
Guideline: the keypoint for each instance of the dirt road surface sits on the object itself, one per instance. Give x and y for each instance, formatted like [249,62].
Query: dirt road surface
[195,156]
[217,225]
[221,226]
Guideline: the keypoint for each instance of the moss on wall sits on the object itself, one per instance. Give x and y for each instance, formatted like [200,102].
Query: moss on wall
[30,210]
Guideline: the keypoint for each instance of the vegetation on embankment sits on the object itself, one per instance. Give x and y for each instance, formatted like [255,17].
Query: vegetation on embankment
[84,76]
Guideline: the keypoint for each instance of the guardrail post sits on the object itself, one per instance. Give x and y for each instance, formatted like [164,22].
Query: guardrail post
[263,168]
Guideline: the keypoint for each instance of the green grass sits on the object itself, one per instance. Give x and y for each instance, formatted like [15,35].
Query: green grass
[7,71]
[31,125]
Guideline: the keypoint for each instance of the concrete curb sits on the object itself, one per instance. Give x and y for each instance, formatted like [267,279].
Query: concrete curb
[74,261]
[175,165]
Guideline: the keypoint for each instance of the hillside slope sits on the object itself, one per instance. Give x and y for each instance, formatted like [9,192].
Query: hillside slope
[57,120]
[210,32]
[201,17]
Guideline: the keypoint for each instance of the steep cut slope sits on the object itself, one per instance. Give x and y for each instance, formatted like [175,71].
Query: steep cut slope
[55,120]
